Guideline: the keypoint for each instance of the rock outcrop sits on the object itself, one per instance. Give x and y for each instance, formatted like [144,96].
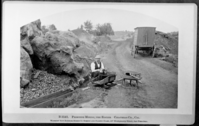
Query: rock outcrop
[54,53]
[52,50]
[48,28]
[25,68]
[27,33]
[64,38]
[25,43]
[31,30]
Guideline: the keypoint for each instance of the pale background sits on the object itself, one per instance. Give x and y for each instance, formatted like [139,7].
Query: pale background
[120,19]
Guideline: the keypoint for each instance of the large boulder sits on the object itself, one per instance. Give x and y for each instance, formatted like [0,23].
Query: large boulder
[52,36]
[70,36]
[25,43]
[51,27]
[47,28]
[64,38]
[86,51]
[160,52]
[27,33]
[55,57]
[86,62]
[25,68]
[31,30]
[51,50]
[62,62]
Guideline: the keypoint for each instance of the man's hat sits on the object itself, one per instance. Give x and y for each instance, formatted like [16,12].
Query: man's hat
[97,57]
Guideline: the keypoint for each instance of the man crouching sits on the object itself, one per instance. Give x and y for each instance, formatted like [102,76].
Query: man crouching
[97,67]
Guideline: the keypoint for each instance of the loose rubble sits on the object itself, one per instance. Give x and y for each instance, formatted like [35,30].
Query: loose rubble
[44,84]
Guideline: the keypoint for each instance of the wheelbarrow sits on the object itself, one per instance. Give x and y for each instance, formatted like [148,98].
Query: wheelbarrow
[131,76]
[105,79]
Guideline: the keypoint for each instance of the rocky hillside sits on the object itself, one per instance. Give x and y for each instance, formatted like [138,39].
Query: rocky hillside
[167,47]
[168,41]
[53,60]
[98,44]
[50,50]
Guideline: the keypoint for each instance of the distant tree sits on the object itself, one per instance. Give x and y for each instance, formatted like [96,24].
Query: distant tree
[109,29]
[105,29]
[82,27]
[98,30]
[98,26]
[88,25]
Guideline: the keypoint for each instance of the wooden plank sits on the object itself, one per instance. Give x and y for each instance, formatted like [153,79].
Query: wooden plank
[109,78]
[49,103]
[130,79]
[37,74]
[44,98]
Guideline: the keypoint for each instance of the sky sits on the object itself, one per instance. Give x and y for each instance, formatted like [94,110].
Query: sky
[120,20]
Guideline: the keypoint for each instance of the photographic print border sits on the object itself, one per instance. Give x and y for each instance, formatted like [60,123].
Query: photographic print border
[157,116]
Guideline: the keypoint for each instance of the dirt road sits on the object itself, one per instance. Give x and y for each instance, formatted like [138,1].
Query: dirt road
[159,77]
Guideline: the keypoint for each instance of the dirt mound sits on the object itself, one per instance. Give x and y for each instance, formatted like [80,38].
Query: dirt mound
[91,45]
[85,52]
[169,42]
[104,43]
[84,36]
[167,47]
[98,44]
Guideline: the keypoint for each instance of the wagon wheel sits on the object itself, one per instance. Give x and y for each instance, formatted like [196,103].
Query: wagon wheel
[133,53]
[153,54]
[149,52]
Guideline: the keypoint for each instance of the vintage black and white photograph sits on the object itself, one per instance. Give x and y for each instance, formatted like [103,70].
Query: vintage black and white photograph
[97,62]
[98,58]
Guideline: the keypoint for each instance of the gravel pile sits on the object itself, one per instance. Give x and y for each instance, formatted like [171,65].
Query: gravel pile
[43,83]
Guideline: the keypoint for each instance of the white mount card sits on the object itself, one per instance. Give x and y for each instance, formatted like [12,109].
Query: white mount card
[75,62]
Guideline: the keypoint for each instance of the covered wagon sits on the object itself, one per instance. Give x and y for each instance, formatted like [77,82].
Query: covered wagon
[144,40]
